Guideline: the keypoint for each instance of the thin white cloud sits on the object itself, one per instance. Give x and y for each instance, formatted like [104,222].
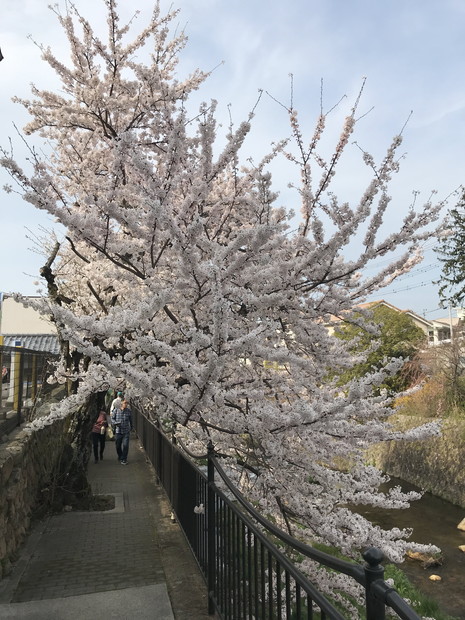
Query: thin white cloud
[413,54]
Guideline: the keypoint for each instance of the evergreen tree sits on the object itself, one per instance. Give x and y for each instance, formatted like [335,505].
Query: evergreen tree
[452,256]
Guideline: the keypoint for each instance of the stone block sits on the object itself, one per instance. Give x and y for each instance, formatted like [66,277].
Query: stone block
[2,548]
[16,452]
[11,544]
[13,486]
[6,467]
[6,567]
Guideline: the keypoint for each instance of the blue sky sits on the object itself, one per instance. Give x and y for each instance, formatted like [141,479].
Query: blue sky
[412,53]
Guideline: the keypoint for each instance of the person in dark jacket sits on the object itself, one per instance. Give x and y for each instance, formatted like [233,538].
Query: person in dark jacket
[98,436]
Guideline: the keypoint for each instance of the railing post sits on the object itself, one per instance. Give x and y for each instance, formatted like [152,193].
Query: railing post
[374,571]
[159,452]
[211,534]
[174,488]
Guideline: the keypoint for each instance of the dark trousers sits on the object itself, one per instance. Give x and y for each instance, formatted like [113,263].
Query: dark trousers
[122,446]
[98,441]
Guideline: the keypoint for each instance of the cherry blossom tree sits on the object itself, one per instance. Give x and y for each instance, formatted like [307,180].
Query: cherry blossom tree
[182,275]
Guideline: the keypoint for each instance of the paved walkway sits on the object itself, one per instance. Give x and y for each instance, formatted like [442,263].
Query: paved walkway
[128,563]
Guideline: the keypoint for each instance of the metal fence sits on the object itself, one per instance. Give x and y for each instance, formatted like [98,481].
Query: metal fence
[24,373]
[247,575]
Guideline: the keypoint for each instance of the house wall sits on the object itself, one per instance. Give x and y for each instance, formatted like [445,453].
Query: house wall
[16,319]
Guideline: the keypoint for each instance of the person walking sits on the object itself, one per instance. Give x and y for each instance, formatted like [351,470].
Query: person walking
[122,422]
[98,436]
[116,402]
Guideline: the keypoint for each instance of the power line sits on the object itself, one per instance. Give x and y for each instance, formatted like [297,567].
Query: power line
[430,245]
[408,288]
[415,272]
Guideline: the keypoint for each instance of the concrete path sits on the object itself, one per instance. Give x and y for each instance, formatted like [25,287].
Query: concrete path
[128,563]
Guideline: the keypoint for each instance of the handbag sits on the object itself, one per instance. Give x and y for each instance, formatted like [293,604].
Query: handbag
[102,430]
[109,432]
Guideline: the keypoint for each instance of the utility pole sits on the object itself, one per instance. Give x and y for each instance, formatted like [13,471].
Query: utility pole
[450,323]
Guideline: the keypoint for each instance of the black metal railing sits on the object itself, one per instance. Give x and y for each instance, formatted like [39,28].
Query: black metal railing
[24,373]
[236,548]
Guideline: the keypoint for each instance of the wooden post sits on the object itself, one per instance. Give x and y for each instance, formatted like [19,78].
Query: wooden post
[34,377]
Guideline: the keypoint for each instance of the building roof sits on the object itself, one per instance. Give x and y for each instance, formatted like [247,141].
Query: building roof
[447,322]
[371,305]
[36,342]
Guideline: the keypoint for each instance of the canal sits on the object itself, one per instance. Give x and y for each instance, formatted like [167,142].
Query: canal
[435,521]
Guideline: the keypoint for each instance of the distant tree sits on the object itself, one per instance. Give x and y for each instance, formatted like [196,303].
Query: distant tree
[181,275]
[380,334]
[441,371]
[452,256]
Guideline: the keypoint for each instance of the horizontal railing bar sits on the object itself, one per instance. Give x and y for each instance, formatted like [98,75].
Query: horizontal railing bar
[392,598]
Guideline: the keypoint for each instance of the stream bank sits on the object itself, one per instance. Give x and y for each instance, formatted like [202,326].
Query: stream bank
[437,466]
[435,521]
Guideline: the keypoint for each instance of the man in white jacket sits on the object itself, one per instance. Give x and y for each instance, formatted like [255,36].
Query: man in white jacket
[116,402]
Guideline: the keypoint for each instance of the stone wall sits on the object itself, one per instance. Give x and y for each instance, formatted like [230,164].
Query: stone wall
[28,464]
[436,465]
